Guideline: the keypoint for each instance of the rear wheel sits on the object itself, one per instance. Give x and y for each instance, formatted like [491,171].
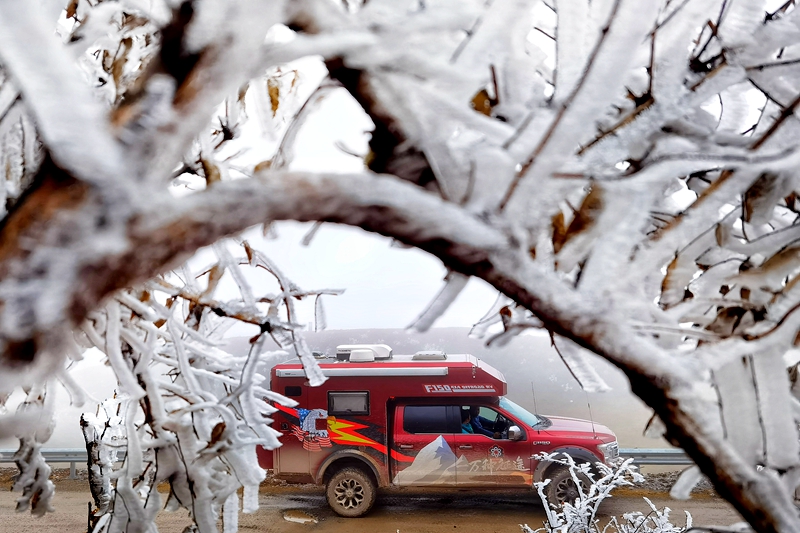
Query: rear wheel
[351,492]
[562,488]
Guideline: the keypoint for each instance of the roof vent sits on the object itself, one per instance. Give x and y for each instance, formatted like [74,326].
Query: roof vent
[346,352]
[429,355]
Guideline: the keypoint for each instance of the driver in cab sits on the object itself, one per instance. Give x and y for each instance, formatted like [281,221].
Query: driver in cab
[481,425]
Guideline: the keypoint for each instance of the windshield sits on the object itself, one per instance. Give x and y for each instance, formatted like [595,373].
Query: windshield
[520,412]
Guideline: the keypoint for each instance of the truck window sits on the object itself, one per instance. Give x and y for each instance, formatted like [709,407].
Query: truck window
[292,391]
[436,419]
[520,412]
[348,403]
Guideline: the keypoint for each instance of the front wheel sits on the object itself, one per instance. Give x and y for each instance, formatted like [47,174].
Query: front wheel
[562,488]
[351,492]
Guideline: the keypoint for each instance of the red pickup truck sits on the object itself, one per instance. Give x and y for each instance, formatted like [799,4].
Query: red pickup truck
[428,419]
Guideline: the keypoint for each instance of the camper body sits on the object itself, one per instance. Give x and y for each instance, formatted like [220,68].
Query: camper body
[382,420]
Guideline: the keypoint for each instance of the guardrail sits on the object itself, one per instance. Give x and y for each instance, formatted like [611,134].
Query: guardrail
[656,456]
[73,456]
[642,456]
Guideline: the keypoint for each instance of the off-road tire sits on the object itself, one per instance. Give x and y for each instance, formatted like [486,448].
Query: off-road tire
[561,488]
[351,492]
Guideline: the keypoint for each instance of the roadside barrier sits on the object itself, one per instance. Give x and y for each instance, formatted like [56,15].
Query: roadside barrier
[642,456]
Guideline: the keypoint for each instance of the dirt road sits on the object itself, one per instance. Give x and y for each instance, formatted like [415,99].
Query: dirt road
[284,508]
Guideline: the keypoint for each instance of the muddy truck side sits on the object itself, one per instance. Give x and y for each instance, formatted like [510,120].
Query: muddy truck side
[427,419]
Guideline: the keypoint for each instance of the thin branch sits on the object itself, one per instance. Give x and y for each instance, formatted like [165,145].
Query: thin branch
[714,30]
[764,66]
[11,106]
[787,112]
[562,110]
[470,33]
[540,30]
[641,108]
[671,15]
[766,93]
[782,9]
[94,156]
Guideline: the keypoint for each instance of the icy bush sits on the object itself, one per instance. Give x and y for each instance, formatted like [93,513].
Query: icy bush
[594,484]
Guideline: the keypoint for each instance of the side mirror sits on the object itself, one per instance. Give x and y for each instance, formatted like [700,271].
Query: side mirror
[514,433]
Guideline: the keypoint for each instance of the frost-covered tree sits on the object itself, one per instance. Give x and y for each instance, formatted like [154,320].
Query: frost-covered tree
[623,172]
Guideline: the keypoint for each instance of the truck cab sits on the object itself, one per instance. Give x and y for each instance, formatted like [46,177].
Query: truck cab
[427,419]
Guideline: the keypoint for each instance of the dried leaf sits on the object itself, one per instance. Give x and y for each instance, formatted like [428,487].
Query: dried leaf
[214,277]
[211,170]
[791,200]
[72,9]
[722,234]
[170,302]
[587,215]
[274,92]
[216,433]
[761,198]
[249,251]
[583,230]
[482,103]
[268,231]
[559,232]
[680,273]
[772,273]
[505,316]
[727,321]
[118,66]
[369,157]
[264,165]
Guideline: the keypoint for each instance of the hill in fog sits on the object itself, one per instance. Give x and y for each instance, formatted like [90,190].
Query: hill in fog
[528,363]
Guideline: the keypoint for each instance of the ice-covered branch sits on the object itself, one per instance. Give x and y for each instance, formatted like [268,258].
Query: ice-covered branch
[649,184]
[93,156]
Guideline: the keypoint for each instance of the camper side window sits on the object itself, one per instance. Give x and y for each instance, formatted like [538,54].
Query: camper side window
[348,403]
[436,419]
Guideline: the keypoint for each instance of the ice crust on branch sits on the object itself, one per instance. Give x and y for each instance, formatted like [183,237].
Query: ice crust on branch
[624,173]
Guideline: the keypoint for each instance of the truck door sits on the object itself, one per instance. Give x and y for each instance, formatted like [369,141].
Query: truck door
[423,443]
[485,460]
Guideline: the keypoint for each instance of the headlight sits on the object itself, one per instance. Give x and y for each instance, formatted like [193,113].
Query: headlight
[610,450]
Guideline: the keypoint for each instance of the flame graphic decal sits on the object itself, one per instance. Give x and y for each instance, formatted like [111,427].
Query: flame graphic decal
[345,433]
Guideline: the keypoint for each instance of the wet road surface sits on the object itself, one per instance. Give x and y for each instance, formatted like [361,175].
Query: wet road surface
[304,510]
